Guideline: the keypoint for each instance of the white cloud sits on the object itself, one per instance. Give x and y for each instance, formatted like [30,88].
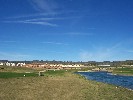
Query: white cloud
[38,23]
[33,15]
[100,53]
[41,23]
[97,56]
[44,5]
[41,14]
[42,50]
[85,56]
[41,19]
[79,33]
[50,18]
[13,56]
[44,18]
[55,43]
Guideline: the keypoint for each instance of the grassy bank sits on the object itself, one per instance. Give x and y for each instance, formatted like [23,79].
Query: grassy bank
[55,85]
[60,86]
[123,71]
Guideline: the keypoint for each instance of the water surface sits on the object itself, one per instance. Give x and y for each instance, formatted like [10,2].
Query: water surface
[105,77]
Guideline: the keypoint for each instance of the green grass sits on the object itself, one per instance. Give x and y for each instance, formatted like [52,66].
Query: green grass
[59,72]
[66,87]
[13,72]
[16,69]
[55,85]
[54,73]
[123,71]
[13,75]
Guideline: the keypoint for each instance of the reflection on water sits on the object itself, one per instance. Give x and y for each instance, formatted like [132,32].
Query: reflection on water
[124,81]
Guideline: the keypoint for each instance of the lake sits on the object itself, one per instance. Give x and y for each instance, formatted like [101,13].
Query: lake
[106,77]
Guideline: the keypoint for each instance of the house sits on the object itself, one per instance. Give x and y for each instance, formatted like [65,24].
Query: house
[20,64]
[104,65]
[1,63]
[10,64]
[72,66]
[44,65]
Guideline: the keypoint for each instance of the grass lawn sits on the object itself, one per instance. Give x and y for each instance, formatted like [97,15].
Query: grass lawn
[124,71]
[57,85]
[13,75]
[54,73]
[60,87]
[12,72]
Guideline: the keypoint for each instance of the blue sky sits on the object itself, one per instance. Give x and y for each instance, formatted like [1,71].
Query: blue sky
[67,30]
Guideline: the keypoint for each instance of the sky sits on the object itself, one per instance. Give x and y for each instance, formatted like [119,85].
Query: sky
[66,30]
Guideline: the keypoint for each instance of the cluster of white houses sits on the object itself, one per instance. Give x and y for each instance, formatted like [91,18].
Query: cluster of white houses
[12,64]
[44,65]
[66,65]
[54,66]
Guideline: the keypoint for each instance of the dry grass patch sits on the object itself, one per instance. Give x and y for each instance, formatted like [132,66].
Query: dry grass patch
[66,87]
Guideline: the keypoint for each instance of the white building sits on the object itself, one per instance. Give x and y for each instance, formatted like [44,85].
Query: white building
[10,64]
[1,63]
[20,64]
[104,65]
[73,66]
